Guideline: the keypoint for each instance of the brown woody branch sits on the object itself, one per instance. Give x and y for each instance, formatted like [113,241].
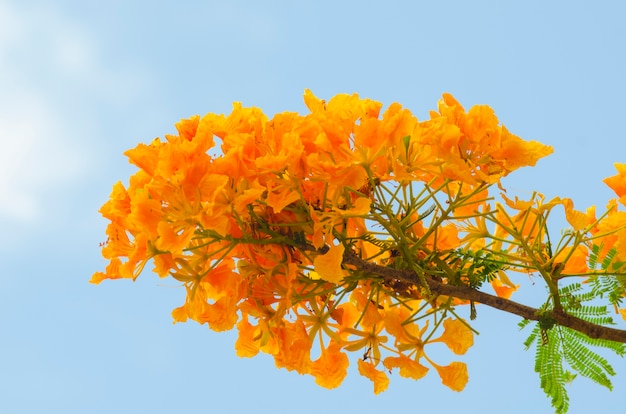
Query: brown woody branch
[466,293]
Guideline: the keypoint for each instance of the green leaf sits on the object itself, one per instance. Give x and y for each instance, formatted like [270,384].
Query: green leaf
[562,353]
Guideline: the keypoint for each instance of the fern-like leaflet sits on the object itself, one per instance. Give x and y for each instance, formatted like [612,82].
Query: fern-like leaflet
[609,277]
[559,349]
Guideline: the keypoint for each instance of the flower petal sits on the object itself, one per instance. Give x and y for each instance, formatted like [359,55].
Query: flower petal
[453,376]
[331,367]
[408,367]
[328,266]
[456,335]
[379,378]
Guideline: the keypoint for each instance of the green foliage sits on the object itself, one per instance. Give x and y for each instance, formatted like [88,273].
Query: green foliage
[609,279]
[559,349]
[474,267]
[549,366]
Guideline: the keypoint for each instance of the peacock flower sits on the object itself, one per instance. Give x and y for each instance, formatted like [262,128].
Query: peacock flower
[378,377]
[617,183]
[328,265]
[573,260]
[247,344]
[474,147]
[331,367]
[294,347]
[456,335]
[408,367]
[242,230]
[453,376]
[577,219]
[503,286]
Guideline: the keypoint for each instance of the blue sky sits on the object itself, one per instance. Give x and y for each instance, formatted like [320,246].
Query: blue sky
[81,82]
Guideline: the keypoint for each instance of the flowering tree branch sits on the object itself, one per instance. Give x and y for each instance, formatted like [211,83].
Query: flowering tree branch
[467,293]
[351,231]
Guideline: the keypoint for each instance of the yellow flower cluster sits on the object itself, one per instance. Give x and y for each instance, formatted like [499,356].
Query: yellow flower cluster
[258,235]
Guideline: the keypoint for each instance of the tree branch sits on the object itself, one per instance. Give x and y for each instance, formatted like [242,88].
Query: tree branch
[465,292]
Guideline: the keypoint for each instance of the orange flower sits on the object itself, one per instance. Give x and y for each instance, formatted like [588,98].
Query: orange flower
[474,147]
[220,315]
[118,205]
[408,367]
[222,280]
[475,202]
[112,271]
[145,157]
[172,240]
[515,152]
[456,335]
[120,245]
[280,198]
[503,290]
[247,345]
[340,114]
[617,182]
[408,335]
[575,262]
[248,197]
[370,314]
[379,378]
[378,143]
[613,227]
[331,367]
[187,127]
[453,376]
[283,147]
[528,221]
[360,208]
[179,314]
[294,347]
[219,226]
[145,213]
[446,237]
[328,265]
[577,219]
[164,264]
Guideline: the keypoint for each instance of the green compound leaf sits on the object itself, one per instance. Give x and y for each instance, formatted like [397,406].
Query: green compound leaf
[552,375]
[610,281]
[559,349]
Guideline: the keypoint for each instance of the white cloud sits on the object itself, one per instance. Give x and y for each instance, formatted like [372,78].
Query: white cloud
[10,28]
[48,65]
[18,138]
